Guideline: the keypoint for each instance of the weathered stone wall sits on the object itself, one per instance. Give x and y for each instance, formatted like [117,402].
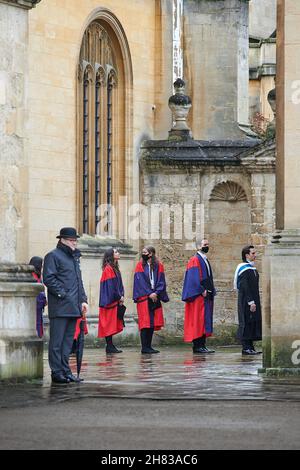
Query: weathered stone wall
[259,10]
[13,180]
[216,66]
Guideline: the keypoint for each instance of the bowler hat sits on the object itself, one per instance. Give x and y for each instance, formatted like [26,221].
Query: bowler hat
[68,232]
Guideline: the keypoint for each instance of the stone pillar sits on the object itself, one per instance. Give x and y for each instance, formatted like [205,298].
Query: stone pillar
[216,68]
[163,66]
[21,353]
[282,263]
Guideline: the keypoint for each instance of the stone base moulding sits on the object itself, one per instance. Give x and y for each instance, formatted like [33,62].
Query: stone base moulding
[280,371]
[21,359]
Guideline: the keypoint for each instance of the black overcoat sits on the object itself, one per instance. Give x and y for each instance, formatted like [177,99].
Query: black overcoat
[62,276]
[250,324]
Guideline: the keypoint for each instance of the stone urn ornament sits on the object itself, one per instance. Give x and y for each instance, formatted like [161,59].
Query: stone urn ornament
[180,105]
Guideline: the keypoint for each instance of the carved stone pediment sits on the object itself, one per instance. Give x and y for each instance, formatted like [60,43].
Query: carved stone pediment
[27,4]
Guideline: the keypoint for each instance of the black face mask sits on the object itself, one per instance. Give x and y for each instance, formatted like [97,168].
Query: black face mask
[205,249]
[145,258]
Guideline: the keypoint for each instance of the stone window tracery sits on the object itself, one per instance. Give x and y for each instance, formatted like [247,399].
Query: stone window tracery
[101,104]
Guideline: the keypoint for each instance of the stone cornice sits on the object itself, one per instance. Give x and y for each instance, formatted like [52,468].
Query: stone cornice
[27,4]
[199,153]
[261,158]
[264,70]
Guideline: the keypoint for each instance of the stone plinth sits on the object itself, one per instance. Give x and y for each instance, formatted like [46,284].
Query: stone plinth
[281,305]
[21,351]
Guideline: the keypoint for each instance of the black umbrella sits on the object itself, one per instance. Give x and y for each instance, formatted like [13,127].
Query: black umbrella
[79,347]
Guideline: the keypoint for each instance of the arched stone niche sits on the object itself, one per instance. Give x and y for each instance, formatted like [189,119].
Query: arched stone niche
[229,227]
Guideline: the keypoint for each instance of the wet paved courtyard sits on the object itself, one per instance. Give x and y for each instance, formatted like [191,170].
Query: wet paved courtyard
[174,374]
[172,400]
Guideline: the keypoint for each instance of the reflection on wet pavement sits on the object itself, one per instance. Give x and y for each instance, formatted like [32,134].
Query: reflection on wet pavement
[175,373]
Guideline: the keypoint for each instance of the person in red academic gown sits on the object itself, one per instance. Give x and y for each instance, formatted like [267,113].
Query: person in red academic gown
[198,294]
[41,300]
[149,290]
[111,296]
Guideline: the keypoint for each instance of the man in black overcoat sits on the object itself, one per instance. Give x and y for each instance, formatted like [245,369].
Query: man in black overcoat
[67,301]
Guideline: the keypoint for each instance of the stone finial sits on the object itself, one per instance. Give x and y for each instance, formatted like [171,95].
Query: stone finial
[180,104]
[271,129]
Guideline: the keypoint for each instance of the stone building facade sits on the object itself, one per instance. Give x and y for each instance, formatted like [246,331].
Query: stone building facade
[90,108]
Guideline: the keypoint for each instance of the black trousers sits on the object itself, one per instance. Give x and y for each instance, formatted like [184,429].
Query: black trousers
[62,331]
[247,344]
[146,337]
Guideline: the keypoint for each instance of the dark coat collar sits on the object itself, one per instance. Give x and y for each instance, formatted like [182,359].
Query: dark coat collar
[66,249]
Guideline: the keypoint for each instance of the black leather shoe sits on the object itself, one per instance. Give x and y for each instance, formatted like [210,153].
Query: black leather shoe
[112,350]
[209,351]
[199,351]
[248,352]
[256,352]
[60,379]
[73,378]
[154,351]
[147,351]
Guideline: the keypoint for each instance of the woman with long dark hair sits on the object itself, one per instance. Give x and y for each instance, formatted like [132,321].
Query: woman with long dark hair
[149,290]
[111,298]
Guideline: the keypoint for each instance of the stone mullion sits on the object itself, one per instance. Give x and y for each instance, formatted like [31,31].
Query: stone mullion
[79,150]
[116,163]
[98,144]
[109,152]
[91,224]
[104,146]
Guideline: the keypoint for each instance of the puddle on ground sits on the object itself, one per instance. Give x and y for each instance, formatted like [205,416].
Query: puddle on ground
[175,373]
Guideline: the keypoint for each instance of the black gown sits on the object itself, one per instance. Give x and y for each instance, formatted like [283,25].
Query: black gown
[250,323]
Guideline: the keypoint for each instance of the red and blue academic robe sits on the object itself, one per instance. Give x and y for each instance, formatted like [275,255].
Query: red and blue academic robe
[141,291]
[198,315]
[111,291]
[41,302]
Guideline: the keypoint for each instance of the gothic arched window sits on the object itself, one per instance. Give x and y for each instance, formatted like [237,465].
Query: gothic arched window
[101,97]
